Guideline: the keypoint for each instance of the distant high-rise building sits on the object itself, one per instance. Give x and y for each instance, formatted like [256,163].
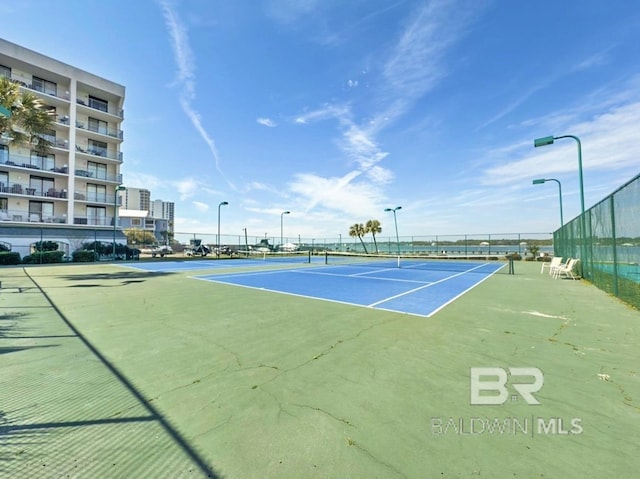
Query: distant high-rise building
[136,199]
[164,210]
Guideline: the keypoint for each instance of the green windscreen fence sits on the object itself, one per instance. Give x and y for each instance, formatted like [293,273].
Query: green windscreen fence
[606,239]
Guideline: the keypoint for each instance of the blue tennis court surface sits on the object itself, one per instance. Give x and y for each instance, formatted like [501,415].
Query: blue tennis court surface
[419,291]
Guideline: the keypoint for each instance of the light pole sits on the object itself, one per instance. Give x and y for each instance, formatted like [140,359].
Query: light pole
[246,241]
[281,225]
[395,221]
[548,140]
[544,180]
[115,215]
[222,203]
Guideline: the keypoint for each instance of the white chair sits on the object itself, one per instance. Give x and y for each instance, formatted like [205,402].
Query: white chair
[34,217]
[555,261]
[566,269]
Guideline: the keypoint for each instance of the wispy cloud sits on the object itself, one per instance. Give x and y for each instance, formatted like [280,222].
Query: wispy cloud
[416,64]
[594,60]
[609,142]
[413,67]
[267,122]
[201,207]
[183,56]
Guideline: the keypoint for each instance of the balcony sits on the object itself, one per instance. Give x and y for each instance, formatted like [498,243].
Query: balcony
[21,162]
[110,132]
[24,216]
[93,221]
[100,107]
[27,83]
[100,152]
[27,190]
[94,197]
[90,174]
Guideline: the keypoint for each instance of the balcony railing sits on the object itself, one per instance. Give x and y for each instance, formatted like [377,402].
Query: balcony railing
[93,220]
[26,83]
[90,174]
[20,161]
[98,107]
[111,132]
[24,216]
[28,190]
[101,152]
[94,197]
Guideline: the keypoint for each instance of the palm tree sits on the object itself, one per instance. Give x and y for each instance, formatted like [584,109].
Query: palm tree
[29,120]
[358,230]
[373,227]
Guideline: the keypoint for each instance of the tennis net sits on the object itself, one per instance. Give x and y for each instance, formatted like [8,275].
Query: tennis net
[281,256]
[408,261]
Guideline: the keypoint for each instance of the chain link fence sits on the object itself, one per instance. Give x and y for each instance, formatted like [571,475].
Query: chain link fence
[606,239]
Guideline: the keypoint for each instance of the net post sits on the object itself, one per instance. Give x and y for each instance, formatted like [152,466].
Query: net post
[326,257]
[309,256]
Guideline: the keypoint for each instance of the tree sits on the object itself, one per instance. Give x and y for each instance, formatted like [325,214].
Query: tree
[533,249]
[358,230]
[373,227]
[29,121]
[139,236]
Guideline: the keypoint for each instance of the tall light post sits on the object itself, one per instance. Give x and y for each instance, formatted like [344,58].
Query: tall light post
[548,140]
[281,226]
[115,215]
[222,203]
[246,241]
[544,180]
[395,221]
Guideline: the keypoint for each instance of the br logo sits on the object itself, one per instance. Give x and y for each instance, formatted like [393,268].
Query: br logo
[489,385]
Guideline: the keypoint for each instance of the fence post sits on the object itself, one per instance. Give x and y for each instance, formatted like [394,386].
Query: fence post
[615,252]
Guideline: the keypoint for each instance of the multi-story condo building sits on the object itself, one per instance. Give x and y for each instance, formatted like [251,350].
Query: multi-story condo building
[70,193]
[164,210]
[135,199]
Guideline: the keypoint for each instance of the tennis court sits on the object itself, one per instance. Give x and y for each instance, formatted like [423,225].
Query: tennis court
[419,287]
[139,370]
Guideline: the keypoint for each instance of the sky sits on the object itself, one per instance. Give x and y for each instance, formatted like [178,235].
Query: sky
[337,109]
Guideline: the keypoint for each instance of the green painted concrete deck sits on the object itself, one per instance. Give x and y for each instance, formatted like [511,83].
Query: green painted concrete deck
[106,372]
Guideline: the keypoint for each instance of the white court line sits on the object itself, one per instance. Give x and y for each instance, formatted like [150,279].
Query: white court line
[431,284]
[464,292]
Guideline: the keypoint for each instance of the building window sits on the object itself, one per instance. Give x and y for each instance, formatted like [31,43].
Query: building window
[5,71]
[42,185]
[43,209]
[98,103]
[4,204]
[96,215]
[50,136]
[4,153]
[44,86]
[4,180]
[96,193]
[97,170]
[136,222]
[98,126]
[98,148]
[44,162]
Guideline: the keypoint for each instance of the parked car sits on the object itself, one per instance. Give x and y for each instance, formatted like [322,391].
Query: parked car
[199,250]
[161,251]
